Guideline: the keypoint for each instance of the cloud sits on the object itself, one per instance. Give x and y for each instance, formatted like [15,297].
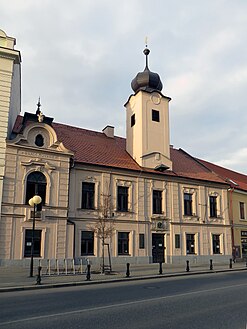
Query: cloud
[80,57]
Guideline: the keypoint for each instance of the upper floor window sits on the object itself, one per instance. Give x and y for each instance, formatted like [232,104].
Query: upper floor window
[39,140]
[36,185]
[122,198]
[157,202]
[242,210]
[155,115]
[133,120]
[87,195]
[188,204]
[213,206]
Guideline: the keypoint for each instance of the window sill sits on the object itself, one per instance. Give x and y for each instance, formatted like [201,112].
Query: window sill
[122,255]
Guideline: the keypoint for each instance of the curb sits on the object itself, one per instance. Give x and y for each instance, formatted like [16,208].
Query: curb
[123,279]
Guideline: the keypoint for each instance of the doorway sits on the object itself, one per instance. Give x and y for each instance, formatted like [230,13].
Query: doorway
[158,248]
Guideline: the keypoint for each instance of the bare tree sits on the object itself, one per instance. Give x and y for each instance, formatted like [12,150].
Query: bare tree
[105,225]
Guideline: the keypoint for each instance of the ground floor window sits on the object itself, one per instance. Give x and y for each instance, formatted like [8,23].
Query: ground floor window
[190,243]
[36,243]
[141,241]
[87,243]
[123,243]
[177,241]
[216,243]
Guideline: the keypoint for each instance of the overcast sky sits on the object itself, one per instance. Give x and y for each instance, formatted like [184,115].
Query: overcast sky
[80,56]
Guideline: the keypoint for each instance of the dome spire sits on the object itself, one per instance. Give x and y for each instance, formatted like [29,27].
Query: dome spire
[146,80]
[146,52]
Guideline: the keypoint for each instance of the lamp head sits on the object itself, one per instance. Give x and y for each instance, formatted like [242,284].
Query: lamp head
[37,199]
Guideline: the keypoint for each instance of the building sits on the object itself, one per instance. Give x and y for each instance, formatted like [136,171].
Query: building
[158,203]
[237,199]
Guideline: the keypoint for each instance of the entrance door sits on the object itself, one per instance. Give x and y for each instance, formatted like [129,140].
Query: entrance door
[158,247]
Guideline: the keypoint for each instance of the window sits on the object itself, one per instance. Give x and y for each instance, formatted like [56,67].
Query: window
[157,202]
[39,140]
[87,196]
[133,120]
[190,243]
[36,243]
[87,243]
[188,204]
[213,206]
[241,208]
[177,241]
[123,243]
[216,243]
[122,198]
[36,185]
[156,115]
[141,241]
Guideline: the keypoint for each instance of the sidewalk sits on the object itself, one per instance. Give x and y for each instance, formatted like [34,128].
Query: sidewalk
[16,278]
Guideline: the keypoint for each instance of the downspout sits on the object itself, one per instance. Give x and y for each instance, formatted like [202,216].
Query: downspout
[69,220]
[231,222]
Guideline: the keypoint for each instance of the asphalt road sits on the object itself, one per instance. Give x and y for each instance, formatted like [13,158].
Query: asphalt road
[215,301]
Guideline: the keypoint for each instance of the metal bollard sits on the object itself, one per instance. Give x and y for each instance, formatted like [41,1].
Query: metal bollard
[187,265]
[128,270]
[88,272]
[230,264]
[160,270]
[211,265]
[38,280]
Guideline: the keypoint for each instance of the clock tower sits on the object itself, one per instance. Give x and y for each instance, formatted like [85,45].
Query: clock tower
[147,126]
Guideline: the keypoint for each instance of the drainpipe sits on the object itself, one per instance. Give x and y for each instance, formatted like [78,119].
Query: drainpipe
[231,190]
[72,223]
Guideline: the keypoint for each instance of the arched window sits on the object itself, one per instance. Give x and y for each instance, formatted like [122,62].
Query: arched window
[39,140]
[36,185]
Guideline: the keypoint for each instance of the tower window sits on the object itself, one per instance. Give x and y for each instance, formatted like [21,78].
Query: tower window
[156,115]
[133,120]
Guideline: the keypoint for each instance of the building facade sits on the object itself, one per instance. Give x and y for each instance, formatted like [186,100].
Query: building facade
[138,199]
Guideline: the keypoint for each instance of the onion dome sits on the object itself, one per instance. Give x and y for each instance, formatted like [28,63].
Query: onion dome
[146,80]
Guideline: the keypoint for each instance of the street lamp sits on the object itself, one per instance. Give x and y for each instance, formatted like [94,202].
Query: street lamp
[33,203]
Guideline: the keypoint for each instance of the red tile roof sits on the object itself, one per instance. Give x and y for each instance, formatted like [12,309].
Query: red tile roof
[95,148]
[233,178]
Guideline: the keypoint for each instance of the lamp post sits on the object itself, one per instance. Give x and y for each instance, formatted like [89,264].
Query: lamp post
[33,203]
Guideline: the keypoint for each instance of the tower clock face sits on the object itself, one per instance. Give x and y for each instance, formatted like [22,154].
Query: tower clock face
[155,98]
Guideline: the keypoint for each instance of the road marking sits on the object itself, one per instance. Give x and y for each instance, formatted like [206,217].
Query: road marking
[99,308]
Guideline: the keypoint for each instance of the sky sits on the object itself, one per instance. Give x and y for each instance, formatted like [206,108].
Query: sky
[80,57]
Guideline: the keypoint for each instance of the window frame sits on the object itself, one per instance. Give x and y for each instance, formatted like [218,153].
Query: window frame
[190,243]
[88,196]
[36,184]
[213,206]
[177,241]
[123,242]
[215,244]
[188,204]
[155,115]
[132,120]
[157,202]
[242,210]
[89,243]
[141,241]
[37,243]
[122,198]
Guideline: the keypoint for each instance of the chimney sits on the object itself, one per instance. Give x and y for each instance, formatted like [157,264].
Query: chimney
[109,131]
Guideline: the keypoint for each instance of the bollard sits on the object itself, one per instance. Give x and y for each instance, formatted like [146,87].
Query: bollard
[187,265]
[128,270]
[211,265]
[88,272]
[230,265]
[160,270]
[38,280]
